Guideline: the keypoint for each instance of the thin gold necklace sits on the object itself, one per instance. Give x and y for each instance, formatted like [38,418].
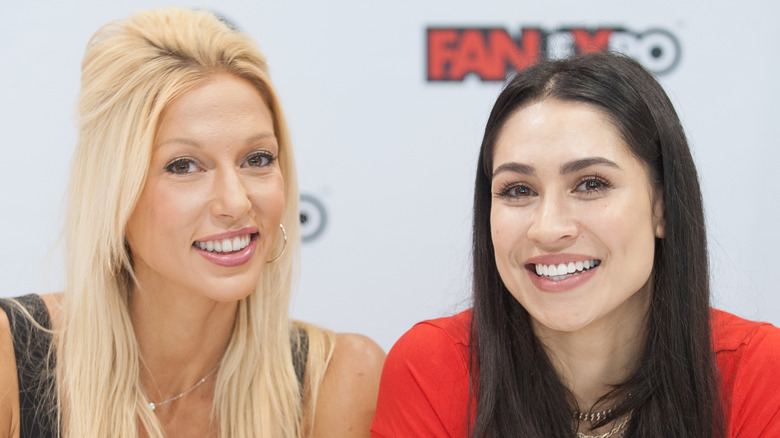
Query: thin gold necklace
[154,406]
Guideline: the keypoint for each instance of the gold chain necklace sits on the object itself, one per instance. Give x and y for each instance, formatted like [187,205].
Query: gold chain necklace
[612,432]
[591,416]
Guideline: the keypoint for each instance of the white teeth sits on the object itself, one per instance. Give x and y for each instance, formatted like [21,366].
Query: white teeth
[225,245]
[564,270]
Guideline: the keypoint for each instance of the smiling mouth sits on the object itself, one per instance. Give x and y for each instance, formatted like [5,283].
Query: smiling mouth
[225,246]
[563,271]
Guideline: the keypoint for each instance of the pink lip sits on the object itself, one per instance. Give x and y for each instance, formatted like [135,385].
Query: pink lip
[235,258]
[547,285]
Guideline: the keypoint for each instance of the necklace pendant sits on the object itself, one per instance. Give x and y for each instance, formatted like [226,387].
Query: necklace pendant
[153,405]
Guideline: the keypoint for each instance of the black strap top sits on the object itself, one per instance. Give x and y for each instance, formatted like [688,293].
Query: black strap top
[299,341]
[37,403]
[36,381]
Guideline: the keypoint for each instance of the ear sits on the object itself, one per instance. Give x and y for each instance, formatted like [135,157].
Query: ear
[659,221]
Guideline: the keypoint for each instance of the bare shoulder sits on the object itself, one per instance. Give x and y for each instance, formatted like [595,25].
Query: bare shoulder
[9,390]
[356,361]
[347,399]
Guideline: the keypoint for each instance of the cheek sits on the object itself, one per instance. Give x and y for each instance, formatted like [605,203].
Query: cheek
[162,210]
[626,219]
[268,200]
[173,209]
[506,234]
[508,226]
[495,230]
[629,234]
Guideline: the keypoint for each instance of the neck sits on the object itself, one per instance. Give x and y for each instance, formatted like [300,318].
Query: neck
[592,360]
[180,338]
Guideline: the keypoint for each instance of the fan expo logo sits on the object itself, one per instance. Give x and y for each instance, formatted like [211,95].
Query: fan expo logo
[493,54]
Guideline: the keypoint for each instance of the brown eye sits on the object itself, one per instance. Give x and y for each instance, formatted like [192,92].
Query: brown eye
[516,191]
[182,166]
[519,191]
[260,159]
[592,184]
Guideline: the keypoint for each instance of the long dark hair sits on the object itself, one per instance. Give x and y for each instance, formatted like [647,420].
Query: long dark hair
[674,392]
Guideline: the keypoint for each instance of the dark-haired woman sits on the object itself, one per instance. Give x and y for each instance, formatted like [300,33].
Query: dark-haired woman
[591,312]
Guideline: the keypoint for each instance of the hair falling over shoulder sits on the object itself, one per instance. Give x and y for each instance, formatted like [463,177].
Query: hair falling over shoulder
[674,390]
[131,70]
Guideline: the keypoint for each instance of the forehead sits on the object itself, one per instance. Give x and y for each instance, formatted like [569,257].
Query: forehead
[223,110]
[552,131]
[216,94]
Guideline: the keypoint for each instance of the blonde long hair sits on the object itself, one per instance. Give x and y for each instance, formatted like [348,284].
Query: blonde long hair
[132,70]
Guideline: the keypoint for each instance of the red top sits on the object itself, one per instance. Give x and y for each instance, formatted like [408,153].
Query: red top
[425,380]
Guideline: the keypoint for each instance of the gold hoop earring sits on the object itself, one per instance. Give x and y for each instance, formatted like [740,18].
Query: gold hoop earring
[116,269]
[284,245]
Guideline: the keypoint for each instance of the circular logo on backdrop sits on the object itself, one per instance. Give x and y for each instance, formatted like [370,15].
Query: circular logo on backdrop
[314,217]
[658,51]
[493,54]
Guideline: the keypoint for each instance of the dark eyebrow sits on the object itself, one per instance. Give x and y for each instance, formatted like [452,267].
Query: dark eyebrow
[515,168]
[577,165]
[570,167]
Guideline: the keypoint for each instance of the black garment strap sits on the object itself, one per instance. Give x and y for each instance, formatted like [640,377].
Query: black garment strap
[36,380]
[37,401]
[299,341]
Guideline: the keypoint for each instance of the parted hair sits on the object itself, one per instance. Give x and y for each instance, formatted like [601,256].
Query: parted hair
[131,71]
[674,392]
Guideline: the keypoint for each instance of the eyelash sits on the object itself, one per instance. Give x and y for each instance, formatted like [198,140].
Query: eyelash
[172,166]
[602,183]
[505,191]
[260,155]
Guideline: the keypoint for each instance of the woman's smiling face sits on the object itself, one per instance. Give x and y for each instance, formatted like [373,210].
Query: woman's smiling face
[573,218]
[213,199]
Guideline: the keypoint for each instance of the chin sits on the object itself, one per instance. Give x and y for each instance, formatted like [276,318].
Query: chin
[560,321]
[228,291]
[229,298]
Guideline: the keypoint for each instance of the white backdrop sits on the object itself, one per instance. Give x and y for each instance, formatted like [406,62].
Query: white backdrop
[391,156]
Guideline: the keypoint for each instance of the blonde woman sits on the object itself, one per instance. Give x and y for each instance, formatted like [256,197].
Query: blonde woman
[182,236]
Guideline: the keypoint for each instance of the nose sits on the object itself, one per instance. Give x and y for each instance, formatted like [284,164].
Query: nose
[554,222]
[230,198]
